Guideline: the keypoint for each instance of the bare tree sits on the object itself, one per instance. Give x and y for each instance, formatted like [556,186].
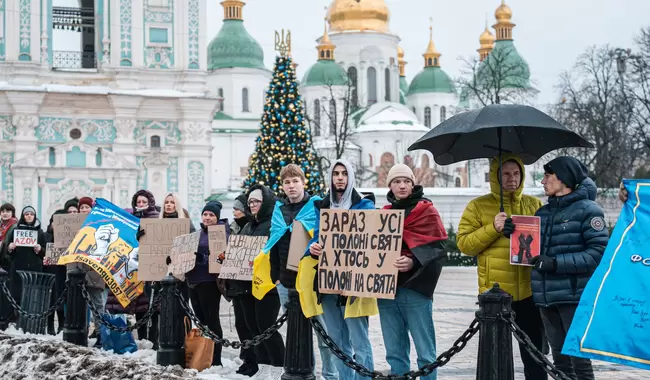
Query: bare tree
[637,88]
[502,77]
[592,104]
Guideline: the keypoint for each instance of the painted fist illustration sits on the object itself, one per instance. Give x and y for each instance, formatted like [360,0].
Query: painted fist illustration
[132,264]
[104,237]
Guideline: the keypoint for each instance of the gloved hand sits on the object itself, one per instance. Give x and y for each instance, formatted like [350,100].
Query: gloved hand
[508,228]
[544,263]
[139,234]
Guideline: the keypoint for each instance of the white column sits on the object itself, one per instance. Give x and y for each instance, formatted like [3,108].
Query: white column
[35,36]
[115,25]
[381,82]
[137,34]
[180,34]
[12,19]
[203,31]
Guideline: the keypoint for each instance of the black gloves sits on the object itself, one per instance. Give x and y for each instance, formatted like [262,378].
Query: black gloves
[544,263]
[508,228]
[139,234]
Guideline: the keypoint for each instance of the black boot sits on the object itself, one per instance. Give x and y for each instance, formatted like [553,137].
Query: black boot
[248,369]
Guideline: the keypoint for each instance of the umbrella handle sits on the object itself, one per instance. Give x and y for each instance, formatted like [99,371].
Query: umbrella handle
[500,171]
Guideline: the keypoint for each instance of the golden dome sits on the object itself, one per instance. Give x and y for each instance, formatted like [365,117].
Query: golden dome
[432,55]
[400,52]
[487,38]
[401,62]
[361,15]
[503,13]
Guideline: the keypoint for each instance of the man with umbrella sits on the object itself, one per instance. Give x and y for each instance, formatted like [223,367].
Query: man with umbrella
[483,232]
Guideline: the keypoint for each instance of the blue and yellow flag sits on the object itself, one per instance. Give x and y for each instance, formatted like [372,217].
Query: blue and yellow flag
[262,282]
[612,322]
[107,244]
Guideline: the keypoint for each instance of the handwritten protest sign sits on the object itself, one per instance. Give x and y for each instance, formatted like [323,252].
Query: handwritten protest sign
[156,245]
[240,254]
[25,238]
[217,242]
[52,254]
[359,249]
[66,227]
[182,253]
[297,246]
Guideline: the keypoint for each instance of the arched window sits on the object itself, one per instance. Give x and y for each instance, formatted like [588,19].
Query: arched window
[427,117]
[332,116]
[387,84]
[430,62]
[458,182]
[52,156]
[443,114]
[316,129]
[414,111]
[354,97]
[372,86]
[220,95]
[154,141]
[244,100]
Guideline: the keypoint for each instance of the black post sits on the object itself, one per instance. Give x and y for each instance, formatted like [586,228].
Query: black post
[172,328]
[299,353]
[35,299]
[5,309]
[75,329]
[495,338]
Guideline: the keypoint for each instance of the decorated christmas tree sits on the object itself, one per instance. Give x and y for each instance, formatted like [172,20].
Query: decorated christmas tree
[284,138]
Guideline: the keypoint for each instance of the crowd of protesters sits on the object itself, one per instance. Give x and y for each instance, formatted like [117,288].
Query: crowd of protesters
[545,295]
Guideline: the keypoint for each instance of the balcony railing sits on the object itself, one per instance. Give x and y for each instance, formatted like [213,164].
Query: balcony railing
[74,60]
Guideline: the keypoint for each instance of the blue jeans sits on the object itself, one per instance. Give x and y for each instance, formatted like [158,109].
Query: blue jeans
[411,312]
[351,335]
[328,371]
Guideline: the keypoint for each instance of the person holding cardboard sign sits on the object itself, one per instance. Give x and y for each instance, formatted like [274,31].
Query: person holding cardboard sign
[419,265]
[25,246]
[349,333]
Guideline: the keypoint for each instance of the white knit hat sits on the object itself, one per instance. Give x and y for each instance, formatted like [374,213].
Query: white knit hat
[256,194]
[400,170]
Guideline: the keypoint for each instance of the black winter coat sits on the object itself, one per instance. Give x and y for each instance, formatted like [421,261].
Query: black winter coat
[260,225]
[24,258]
[573,232]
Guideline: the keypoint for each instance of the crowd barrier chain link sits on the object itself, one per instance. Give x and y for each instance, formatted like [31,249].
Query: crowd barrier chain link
[45,314]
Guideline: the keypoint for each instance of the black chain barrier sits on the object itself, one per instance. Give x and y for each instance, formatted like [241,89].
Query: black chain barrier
[102,320]
[442,359]
[23,313]
[535,353]
[205,330]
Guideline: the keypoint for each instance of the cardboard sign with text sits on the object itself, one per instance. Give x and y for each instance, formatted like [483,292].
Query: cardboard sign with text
[156,245]
[240,254]
[25,238]
[183,253]
[298,245]
[52,254]
[359,249]
[217,241]
[66,227]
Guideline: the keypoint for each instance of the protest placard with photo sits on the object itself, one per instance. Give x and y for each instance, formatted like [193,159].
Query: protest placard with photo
[183,253]
[217,242]
[66,227]
[156,245]
[25,238]
[52,254]
[359,249]
[240,255]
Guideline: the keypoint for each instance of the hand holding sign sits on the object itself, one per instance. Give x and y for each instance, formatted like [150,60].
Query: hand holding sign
[404,263]
[315,249]
[37,248]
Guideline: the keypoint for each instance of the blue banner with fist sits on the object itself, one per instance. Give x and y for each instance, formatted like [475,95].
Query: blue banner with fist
[612,322]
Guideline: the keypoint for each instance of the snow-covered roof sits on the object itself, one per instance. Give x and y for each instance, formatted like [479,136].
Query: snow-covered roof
[387,117]
[103,90]
[326,143]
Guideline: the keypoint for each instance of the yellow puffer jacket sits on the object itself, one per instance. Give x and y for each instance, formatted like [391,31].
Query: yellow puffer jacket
[477,236]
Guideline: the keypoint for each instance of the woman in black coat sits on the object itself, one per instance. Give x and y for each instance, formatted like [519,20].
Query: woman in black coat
[24,258]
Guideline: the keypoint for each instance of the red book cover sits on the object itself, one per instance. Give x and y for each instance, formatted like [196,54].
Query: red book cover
[525,240]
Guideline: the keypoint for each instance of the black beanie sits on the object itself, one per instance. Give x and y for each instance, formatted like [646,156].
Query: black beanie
[214,207]
[568,170]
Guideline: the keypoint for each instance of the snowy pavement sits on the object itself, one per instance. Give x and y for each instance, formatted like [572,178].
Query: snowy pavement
[43,357]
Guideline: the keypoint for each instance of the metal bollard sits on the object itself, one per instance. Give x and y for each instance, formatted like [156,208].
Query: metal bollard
[172,328]
[75,330]
[5,307]
[299,352]
[35,299]
[495,338]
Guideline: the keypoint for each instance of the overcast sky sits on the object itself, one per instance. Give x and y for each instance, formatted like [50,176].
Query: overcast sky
[550,34]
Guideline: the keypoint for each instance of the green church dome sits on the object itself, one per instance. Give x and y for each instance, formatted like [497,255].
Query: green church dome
[431,79]
[515,70]
[325,73]
[234,47]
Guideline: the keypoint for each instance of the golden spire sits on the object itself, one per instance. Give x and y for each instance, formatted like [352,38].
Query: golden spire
[504,26]
[431,56]
[401,62]
[232,9]
[325,47]
[359,15]
[487,42]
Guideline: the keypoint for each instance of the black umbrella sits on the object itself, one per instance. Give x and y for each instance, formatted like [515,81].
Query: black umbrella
[517,129]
